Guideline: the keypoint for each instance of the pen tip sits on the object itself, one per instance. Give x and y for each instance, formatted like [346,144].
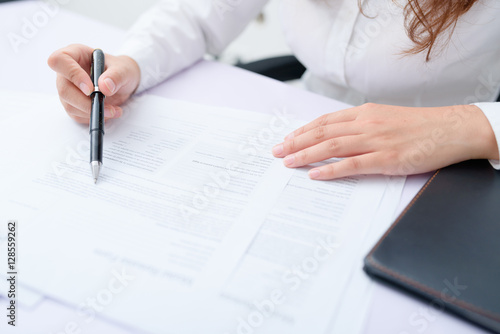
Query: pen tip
[96,167]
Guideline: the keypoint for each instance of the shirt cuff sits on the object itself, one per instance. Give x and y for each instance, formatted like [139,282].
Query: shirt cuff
[492,112]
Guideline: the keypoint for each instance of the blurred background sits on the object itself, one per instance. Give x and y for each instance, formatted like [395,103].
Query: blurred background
[262,39]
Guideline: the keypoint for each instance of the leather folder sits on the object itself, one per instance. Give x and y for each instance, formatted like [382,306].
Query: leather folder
[445,246]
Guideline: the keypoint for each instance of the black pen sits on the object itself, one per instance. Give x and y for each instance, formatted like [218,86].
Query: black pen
[96,127]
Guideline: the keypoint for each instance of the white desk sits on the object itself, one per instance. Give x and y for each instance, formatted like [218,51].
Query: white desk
[206,83]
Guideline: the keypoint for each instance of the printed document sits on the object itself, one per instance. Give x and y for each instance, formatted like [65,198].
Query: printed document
[193,226]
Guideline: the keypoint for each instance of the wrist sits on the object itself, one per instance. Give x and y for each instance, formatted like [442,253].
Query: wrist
[480,136]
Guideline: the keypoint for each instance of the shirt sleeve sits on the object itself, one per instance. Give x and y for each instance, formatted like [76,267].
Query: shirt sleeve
[174,34]
[492,112]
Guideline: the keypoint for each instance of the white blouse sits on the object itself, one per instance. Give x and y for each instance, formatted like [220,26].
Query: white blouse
[349,56]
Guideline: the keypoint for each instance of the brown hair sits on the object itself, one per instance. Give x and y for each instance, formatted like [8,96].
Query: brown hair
[427,20]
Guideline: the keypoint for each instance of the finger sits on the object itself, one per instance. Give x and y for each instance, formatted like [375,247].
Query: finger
[71,95]
[313,137]
[345,115]
[73,63]
[75,112]
[110,111]
[371,163]
[80,119]
[84,120]
[332,148]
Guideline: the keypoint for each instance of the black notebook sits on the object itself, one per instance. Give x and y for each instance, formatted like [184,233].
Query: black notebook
[445,246]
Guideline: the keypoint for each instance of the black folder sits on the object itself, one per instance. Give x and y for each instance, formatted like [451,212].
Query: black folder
[445,246]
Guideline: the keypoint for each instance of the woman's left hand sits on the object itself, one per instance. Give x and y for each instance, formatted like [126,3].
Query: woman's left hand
[390,140]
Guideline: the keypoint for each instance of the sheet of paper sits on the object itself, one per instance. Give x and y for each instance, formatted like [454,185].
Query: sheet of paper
[50,317]
[26,297]
[17,107]
[358,298]
[293,275]
[354,303]
[291,279]
[183,192]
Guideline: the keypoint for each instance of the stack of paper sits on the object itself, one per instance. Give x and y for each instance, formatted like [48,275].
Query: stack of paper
[193,226]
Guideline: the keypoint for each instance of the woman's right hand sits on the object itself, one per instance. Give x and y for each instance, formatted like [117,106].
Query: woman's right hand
[118,82]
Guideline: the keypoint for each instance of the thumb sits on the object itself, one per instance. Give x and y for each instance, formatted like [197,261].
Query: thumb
[111,80]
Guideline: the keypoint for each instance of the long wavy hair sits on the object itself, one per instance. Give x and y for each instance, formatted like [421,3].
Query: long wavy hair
[428,20]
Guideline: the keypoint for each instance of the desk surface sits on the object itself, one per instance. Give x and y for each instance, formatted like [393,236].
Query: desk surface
[24,64]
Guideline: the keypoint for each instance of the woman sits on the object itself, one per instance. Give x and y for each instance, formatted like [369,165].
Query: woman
[427,67]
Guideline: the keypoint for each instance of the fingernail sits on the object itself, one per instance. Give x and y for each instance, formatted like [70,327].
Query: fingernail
[85,89]
[314,173]
[289,160]
[110,84]
[109,112]
[290,136]
[278,149]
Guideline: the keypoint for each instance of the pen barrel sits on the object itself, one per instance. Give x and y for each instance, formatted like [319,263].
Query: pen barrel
[96,127]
